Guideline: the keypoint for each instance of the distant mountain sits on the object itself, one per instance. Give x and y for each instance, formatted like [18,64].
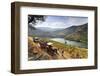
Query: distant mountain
[77,33]
[42,31]
[37,32]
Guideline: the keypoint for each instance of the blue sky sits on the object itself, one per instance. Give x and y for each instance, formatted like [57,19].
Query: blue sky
[62,21]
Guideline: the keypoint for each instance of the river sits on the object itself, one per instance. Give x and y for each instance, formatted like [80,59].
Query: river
[69,42]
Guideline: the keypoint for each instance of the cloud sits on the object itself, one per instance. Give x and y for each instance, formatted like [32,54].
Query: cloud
[62,21]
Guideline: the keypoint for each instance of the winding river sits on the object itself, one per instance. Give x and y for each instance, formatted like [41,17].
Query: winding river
[69,42]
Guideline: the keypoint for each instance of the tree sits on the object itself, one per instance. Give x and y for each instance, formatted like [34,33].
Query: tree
[34,19]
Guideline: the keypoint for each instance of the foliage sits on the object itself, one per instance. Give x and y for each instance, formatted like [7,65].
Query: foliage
[35,18]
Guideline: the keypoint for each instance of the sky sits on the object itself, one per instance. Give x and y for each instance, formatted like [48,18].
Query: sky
[62,21]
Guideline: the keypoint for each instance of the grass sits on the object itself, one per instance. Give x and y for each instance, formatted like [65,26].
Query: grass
[73,51]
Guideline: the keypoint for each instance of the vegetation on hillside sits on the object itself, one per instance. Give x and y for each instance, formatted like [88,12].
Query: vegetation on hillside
[80,34]
[63,51]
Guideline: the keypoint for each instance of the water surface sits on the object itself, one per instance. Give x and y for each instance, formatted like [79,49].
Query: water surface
[69,42]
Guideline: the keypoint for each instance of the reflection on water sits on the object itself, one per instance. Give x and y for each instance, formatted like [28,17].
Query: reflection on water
[68,42]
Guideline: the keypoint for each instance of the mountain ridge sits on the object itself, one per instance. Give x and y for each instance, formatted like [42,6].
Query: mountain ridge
[77,33]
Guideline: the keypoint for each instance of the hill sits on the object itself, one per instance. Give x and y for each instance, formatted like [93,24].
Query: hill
[79,34]
[76,33]
[63,51]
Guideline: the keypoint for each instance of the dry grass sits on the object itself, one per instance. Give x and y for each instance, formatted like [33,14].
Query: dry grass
[64,51]
[74,52]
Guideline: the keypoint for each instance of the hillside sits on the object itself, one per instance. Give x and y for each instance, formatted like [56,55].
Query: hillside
[76,33]
[63,51]
[80,34]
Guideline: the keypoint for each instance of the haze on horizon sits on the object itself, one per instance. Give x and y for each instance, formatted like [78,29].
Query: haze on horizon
[62,21]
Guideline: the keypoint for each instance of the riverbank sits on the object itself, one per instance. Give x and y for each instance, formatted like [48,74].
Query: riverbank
[70,42]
